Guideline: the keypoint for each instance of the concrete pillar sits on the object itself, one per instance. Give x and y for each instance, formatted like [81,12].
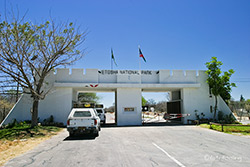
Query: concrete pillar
[74,95]
[128,106]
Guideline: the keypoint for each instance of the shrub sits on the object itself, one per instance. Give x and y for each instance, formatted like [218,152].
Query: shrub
[220,115]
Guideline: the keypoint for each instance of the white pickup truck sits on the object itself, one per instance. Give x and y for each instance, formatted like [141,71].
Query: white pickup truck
[101,114]
[83,121]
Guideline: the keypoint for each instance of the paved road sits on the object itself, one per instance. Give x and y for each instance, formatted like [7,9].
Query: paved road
[141,146]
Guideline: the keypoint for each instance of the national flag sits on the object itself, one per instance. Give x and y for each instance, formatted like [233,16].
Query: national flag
[141,55]
[112,56]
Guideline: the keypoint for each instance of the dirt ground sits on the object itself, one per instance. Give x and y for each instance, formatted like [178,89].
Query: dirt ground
[12,149]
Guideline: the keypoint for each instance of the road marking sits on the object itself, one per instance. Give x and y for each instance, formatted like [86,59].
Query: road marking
[171,157]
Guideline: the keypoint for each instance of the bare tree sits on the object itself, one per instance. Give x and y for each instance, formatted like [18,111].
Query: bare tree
[161,106]
[29,52]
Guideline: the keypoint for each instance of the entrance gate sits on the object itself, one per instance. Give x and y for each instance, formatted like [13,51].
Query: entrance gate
[127,85]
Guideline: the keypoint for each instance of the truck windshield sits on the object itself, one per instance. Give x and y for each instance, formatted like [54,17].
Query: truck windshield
[82,114]
[99,111]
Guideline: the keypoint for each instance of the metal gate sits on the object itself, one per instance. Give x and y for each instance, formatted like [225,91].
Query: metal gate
[174,107]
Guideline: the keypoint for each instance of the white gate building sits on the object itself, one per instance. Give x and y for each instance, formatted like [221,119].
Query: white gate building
[189,88]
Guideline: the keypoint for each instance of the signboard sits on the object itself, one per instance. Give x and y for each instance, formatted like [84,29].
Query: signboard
[129,109]
[128,72]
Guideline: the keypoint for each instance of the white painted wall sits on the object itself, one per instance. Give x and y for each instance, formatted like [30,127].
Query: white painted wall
[128,85]
[128,97]
[58,103]
[197,99]
[20,111]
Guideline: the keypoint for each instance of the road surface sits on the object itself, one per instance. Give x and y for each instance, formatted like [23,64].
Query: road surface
[141,146]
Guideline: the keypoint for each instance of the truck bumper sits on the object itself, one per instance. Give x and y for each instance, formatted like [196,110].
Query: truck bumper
[82,130]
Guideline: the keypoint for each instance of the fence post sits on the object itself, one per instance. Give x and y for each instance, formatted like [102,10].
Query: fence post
[222,128]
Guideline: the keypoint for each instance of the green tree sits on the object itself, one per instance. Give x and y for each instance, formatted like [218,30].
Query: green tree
[88,98]
[30,52]
[143,101]
[218,83]
[248,105]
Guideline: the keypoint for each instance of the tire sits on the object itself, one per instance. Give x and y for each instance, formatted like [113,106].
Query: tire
[71,134]
[96,134]
[104,122]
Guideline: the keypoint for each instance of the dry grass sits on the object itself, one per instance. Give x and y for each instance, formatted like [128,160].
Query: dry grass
[10,149]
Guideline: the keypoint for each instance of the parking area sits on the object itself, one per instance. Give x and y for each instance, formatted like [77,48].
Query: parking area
[141,146]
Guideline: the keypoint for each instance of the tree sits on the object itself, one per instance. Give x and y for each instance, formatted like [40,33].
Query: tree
[29,52]
[151,102]
[248,105]
[5,107]
[161,106]
[218,84]
[88,97]
[143,101]
[110,109]
[242,99]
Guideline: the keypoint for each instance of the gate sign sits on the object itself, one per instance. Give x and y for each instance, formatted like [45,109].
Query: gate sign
[144,108]
[129,109]
[129,72]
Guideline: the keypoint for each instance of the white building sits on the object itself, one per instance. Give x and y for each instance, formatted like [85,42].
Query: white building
[189,92]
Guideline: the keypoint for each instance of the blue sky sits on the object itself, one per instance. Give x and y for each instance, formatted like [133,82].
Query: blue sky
[173,34]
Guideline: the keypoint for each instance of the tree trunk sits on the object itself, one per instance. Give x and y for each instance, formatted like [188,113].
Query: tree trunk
[34,113]
[215,107]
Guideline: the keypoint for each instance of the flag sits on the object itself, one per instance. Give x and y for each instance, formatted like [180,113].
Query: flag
[112,56]
[141,55]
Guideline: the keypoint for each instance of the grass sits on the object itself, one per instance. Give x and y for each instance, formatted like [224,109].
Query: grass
[229,129]
[25,131]
[20,137]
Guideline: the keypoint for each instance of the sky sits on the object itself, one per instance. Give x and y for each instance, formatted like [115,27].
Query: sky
[172,34]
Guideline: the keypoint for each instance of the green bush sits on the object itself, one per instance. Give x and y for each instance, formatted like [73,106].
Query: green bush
[229,119]
[225,119]
[220,115]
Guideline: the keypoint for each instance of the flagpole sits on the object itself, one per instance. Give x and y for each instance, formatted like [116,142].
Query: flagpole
[111,60]
[139,61]
[111,64]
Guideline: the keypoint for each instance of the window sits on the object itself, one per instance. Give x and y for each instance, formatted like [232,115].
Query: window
[82,114]
[95,113]
[99,111]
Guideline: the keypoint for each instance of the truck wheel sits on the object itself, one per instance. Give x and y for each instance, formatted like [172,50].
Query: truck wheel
[96,134]
[71,134]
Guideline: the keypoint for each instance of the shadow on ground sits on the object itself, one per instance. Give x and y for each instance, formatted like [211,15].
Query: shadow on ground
[170,123]
[80,137]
